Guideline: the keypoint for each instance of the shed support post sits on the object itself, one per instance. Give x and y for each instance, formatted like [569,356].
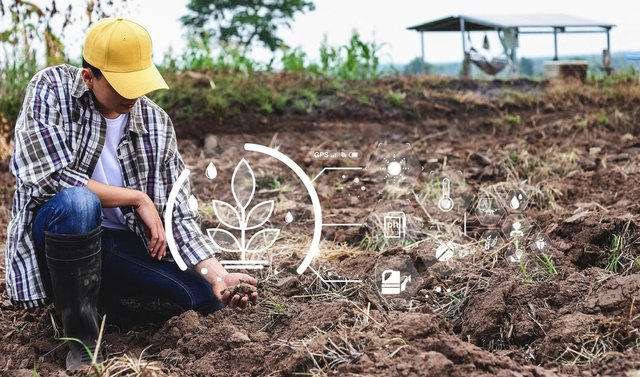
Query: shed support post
[606,56]
[555,43]
[466,63]
[422,64]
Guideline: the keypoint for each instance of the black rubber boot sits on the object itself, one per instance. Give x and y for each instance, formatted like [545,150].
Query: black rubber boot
[74,264]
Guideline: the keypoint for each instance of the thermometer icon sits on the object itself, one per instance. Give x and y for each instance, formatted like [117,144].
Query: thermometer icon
[445,204]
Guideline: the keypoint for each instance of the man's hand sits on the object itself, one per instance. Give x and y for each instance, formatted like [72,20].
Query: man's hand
[220,280]
[231,280]
[148,213]
[114,196]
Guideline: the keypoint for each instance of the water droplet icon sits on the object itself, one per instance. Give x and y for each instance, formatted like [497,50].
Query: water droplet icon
[193,203]
[211,171]
[515,203]
[288,217]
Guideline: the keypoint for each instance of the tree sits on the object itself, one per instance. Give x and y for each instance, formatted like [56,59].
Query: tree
[418,67]
[242,22]
[526,67]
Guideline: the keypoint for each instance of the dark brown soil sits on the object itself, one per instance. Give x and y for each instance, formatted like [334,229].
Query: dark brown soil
[473,316]
[242,290]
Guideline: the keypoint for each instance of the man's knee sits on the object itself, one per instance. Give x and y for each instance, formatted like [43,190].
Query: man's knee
[81,207]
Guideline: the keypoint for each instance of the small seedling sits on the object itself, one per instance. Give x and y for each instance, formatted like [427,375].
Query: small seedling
[275,307]
[97,367]
[617,247]
[523,269]
[548,264]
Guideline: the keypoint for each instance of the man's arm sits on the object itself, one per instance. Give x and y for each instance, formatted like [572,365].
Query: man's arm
[114,196]
[41,161]
[194,247]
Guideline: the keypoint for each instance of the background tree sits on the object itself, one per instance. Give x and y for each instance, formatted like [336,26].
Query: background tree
[418,67]
[526,67]
[242,22]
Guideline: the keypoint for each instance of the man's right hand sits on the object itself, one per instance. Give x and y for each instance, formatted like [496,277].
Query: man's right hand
[114,196]
[149,215]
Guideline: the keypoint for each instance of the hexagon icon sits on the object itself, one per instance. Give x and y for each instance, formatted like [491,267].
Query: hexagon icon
[491,240]
[395,164]
[446,191]
[516,226]
[488,210]
[393,223]
[517,201]
[397,278]
[445,251]
[539,243]
[516,252]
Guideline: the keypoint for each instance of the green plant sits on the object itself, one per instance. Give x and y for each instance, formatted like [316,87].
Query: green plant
[269,182]
[276,307]
[357,60]
[618,243]
[396,98]
[547,264]
[97,367]
[371,242]
[602,119]
[512,120]
[293,59]
[522,265]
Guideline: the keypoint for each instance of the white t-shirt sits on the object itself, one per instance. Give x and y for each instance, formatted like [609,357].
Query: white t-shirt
[108,169]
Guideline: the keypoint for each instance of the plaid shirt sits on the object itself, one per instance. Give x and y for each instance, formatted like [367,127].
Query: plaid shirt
[59,136]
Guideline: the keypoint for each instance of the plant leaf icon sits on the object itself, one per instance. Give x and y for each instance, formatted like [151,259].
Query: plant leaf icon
[223,240]
[259,214]
[262,240]
[227,215]
[243,184]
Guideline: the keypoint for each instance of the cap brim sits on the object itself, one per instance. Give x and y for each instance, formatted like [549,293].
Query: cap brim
[136,84]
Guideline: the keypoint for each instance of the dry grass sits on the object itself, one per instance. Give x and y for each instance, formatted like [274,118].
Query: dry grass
[591,347]
[127,365]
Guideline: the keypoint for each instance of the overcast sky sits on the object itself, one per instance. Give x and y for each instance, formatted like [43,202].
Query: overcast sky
[386,21]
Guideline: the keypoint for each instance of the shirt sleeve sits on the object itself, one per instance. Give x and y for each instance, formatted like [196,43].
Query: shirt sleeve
[42,160]
[191,243]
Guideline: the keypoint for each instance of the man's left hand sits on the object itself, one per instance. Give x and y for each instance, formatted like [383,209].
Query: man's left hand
[220,280]
[231,280]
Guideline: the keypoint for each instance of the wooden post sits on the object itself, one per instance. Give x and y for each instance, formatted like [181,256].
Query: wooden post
[422,70]
[466,66]
[606,56]
[555,43]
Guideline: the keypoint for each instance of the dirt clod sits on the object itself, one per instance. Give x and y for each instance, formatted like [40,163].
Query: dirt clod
[242,289]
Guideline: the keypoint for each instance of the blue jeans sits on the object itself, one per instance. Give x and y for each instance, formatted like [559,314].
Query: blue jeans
[128,271]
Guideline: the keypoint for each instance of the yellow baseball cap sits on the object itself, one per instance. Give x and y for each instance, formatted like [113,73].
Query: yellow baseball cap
[121,49]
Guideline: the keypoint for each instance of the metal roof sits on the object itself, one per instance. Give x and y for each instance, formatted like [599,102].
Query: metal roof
[502,21]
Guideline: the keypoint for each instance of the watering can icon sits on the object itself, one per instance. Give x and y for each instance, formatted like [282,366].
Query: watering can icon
[391,283]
